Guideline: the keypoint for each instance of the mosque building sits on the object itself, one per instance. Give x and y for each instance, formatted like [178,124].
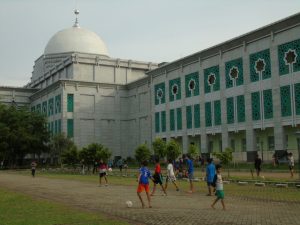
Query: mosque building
[243,93]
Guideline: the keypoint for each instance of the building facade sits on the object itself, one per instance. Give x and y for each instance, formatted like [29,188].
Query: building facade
[243,93]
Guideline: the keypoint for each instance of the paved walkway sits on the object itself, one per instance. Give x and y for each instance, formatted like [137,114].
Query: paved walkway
[176,208]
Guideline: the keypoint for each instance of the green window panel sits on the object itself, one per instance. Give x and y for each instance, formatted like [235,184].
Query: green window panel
[189,117]
[70,103]
[207,74]
[192,90]
[297,98]
[197,116]
[265,55]
[57,104]
[38,108]
[70,128]
[230,110]
[179,119]
[217,108]
[159,93]
[44,108]
[282,49]
[172,119]
[237,63]
[49,127]
[285,96]
[50,106]
[163,121]
[268,104]
[255,101]
[208,121]
[157,123]
[59,126]
[32,109]
[174,89]
[240,108]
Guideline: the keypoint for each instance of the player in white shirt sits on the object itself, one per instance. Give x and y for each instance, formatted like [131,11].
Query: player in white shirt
[171,175]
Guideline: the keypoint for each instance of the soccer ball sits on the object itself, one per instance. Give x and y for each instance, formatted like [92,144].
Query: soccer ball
[129,204]
[109,169]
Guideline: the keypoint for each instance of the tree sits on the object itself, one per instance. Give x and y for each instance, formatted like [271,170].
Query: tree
[224,157]
[59,143]
[173,150]
[70,156]
[159,147]
[193,151]
[21,132]
[94,152]
[142,153]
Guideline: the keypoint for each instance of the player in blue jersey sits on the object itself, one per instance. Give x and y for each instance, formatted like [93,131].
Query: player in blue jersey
[143,179]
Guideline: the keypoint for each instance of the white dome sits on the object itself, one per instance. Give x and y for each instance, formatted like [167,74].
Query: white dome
[76,39]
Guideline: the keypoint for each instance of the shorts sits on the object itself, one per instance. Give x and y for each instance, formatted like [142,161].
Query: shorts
[142,187]
[191,176]
[210,183]
[291,167]
[157,179]
[220,194]
[170,178]
[102,174]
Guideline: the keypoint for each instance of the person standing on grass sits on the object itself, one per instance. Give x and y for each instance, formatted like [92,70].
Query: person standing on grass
[219,188]
[143,180]
[102,172]
[257,165]
[210,174]
[291,164]
[157,177]
[33,168]
[190,171]
[170,176]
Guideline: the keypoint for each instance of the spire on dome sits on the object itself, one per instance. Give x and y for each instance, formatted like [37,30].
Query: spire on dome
[76,12]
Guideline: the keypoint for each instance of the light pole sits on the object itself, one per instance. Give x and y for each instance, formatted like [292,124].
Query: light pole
[297,134]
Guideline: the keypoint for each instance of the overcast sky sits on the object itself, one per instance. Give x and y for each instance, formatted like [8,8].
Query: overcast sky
[145,30]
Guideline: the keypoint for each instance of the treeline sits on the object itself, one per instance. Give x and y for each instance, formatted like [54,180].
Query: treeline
[24,136]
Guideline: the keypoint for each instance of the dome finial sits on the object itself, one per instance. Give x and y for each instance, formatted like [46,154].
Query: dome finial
[76,12]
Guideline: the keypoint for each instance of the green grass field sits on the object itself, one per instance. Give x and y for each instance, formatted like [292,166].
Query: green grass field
[19,209]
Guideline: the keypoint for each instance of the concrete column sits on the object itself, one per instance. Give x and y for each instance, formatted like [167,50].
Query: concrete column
[279,134]
[185,143]
[250,139]
[203,136]
[204,143]
[225,139]
[167,106]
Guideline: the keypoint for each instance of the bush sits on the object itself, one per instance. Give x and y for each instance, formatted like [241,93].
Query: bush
[142,153]
[159,147]
[173,150]
[193,151]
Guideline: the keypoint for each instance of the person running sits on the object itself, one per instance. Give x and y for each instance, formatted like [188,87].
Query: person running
[102,172]
[291,164]
[210,174]
[219,187]
[257,165]
[143,180]
[170,176]
[190,171]
[33,168]
[157,178]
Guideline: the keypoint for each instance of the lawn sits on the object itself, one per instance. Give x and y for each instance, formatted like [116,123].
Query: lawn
[19,209]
